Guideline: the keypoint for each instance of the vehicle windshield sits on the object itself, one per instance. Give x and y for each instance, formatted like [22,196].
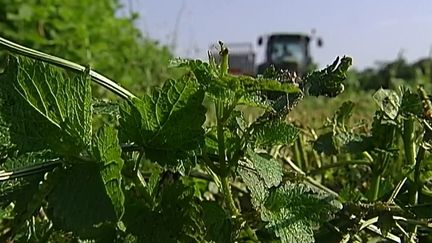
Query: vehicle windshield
[287,51]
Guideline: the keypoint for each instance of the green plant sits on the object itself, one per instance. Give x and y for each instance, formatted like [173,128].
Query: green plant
[384,172]
[94,33]
[146,168]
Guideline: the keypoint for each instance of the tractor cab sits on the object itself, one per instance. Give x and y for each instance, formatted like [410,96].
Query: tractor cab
[286,51]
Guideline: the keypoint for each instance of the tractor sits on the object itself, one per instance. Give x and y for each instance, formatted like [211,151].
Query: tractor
[285,51]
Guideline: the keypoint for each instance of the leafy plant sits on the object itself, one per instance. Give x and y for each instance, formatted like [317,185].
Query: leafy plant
[146,168]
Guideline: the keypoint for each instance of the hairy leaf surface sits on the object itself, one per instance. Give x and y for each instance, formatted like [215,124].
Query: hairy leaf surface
[329,81]
[107,151]
[272,133]
[168,123]
[247,89]
[255,185]
[290,210]
[268,168]
[293,210]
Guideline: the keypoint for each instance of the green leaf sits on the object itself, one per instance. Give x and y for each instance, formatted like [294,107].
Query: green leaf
[168,124]
[343,114]
[247,89]
[79,203]
[290,210]
[383,132]
[293,210]
[329,81]
[267,168]
[272,133]
[324,144]
[107,152]
[176,218]
[254,183]
[44,106]
[411,104]
[246,83]
[218,224]
[333,143]
[388,101]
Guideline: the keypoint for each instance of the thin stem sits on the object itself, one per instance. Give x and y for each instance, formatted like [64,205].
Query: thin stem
[224,166]
[220,136]
[310,179]
[368,156]
[302,153]
[376,183]
[229,201]
[408,135]
[140,157]
[296,155]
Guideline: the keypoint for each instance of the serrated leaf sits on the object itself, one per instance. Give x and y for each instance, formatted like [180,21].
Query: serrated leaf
[176,218]
[272,133]
[250,84]
[290,210]
[79,203]
[247,89]
[411,104]
[169,122]
[255,185]
[329,81]
[44,106]
[267,168]
[107,152]
[293,210]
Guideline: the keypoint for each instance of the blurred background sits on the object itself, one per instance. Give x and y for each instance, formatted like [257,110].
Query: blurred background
[132,41]
[370,31]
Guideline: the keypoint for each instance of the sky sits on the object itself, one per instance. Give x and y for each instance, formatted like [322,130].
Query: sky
[370,31]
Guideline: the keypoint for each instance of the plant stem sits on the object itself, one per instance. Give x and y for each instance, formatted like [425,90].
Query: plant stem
[224,166]
[296,155]
[229,201]
[302,152]
[408,136]
[220,136]
[409,140]
[376,181]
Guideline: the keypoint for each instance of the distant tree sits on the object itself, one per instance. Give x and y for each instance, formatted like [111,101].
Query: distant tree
[393,74]
[88,32]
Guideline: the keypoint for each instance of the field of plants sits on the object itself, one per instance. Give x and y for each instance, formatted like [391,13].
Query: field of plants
[178,150]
